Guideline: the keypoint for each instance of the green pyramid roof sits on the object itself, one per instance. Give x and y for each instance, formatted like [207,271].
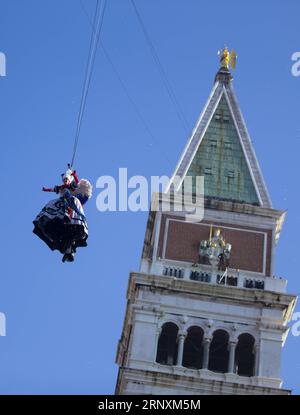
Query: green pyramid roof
[220,149]
[220,159]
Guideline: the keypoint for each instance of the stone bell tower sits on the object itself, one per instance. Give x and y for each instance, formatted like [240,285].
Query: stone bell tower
[205,313]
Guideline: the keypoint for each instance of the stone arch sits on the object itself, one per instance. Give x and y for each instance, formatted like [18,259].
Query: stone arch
[193,348]
[168,319]
[245,355]
[242,330]
[218,351]
[167,347]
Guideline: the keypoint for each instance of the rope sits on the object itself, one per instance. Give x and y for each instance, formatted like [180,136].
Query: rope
[97,23]
[162,72]
[127,93]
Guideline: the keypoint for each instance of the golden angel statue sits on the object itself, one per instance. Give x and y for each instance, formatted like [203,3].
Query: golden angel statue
[227,58]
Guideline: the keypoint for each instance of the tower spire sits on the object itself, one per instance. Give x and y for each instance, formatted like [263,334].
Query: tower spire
[220,147]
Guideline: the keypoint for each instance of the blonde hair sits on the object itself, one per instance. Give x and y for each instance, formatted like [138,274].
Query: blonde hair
[84,188]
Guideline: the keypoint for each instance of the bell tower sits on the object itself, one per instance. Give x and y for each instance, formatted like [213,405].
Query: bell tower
[205,313]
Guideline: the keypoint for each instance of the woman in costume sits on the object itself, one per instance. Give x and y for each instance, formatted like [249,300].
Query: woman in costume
[62,224]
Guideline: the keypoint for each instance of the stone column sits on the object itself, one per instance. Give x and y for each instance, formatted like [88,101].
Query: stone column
[206,346]
[214,271]
[181,339]
[157,227]
[256,360]
[158,331]
[232,346]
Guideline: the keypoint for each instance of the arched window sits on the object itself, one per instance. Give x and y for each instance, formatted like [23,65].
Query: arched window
[244,355]
[218,352]
[193,350]
[167,345]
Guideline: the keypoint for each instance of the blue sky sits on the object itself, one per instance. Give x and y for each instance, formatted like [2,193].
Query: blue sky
[64,320]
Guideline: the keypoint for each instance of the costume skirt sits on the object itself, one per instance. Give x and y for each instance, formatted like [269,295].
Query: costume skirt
[61,223]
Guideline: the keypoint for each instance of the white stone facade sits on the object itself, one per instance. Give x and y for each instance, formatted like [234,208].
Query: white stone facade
[155,300]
